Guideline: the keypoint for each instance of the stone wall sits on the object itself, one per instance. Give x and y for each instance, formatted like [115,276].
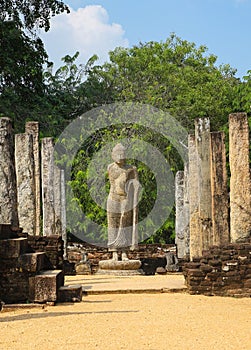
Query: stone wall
[14,281]
[52,246]
[222,270]
[153,254]
[26,266]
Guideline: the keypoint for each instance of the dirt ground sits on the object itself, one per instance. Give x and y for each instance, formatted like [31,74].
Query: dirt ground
[132,322]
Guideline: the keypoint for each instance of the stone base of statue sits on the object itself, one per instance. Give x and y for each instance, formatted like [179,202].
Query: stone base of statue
[120,268]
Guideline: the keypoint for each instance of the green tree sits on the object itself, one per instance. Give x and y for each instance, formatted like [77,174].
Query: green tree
[21,71]
[67,95]
[242,101]
[22,56]
[30,14]
[173,75]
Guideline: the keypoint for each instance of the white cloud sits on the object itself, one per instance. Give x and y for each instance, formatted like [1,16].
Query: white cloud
[86,30]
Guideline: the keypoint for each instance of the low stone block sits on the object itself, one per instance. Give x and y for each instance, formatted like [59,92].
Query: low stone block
[83,268]
[119,265]
[149,265]
[45,285]
[70,293]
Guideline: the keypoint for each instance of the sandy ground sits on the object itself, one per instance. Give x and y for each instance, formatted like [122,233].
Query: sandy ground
[132,322]
[108,283]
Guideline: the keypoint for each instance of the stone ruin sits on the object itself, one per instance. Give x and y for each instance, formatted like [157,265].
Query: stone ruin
[30,265]
[213,222]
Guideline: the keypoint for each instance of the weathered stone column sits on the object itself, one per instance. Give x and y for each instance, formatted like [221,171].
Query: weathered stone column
[57,200]
[220,202]
[203,146]
[32,128]
[47,166]
[186,212]
[179,205]
[240,182]
[8,192]
[193,185]
[63,212]
[25,172]
[182,215]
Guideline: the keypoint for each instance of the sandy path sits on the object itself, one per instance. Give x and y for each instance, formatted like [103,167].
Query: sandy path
[132,322]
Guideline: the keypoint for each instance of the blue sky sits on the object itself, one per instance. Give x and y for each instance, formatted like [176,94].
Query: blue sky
[100,26]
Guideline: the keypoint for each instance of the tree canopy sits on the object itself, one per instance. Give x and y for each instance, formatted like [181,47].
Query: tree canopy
[22,56]
[174,75]
[31,14]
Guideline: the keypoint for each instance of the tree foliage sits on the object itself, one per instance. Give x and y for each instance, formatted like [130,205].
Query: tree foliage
[242,100]
[31,14]
[22,56]
[173,75]
[21,71]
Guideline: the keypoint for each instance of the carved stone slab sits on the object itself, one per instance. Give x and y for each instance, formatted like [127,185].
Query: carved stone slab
[119,265]
[120,268]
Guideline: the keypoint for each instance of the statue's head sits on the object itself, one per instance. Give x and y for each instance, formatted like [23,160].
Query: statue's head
[118,154]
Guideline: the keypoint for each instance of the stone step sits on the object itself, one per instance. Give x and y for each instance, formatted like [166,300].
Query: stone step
[45,285]
[13,247]
[33,262]
[70,293]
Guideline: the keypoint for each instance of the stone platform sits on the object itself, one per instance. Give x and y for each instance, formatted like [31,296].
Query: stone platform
[120,268]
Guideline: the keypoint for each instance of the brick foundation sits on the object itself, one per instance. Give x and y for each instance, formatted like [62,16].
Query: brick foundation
[222,271]
[152,255]
[52,246]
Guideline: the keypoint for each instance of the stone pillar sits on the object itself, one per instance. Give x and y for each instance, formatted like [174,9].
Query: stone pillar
[193,185]
[47,166]
[203,146]
[186,212]
[25,182]
[8,192]
[63,212]
[32,128]
[179,205]
[57,200]
[220,202]
[240,183]
[182,215]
